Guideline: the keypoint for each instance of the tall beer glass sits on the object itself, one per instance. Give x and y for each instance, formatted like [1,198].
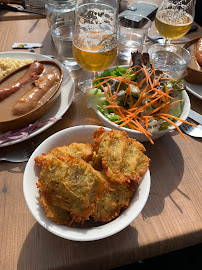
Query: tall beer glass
[95,39]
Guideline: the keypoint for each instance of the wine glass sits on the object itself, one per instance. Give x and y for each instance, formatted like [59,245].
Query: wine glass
[95,39]
[174,18]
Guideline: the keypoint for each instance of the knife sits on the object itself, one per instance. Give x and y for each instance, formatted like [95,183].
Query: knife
[18,9]
[195,116]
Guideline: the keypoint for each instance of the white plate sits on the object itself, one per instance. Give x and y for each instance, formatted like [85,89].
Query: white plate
[63,102]
[195,89]
[91,231]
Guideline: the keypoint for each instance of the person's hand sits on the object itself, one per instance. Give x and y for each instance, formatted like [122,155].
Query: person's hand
[5,1]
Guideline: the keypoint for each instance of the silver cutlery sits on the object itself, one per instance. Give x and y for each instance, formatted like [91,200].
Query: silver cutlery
[195,116]
[19,155]
[18,9]
[160,39]
[190,130]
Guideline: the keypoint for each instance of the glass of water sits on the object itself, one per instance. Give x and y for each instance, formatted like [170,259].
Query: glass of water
[62,34]
[133,30]
[63,10]
[170,59]
[35,4]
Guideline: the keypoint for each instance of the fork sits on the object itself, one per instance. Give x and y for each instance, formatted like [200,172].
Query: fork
[190,130]
[19,155]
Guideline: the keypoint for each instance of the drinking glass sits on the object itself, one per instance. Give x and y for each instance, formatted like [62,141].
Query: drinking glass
[34,4]
[172,60]
[132,32]
[57,11]
[174,18]
[62,34]
[95,39]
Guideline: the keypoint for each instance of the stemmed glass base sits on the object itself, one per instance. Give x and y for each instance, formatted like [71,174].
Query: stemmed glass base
[85,84]
[167,42]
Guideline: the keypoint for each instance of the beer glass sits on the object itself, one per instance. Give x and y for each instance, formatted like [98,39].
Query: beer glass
[95,39]
[174,18]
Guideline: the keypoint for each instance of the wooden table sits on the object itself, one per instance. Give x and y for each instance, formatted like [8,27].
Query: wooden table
[7,15]
[170,220]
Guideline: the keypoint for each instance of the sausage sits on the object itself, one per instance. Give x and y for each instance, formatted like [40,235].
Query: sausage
[31,99]
[34,69]
[198,52]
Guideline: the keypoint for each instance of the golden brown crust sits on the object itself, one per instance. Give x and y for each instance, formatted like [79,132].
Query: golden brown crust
[120,156]
[57,214]
[71,184]
[113,200]
[77,150]
[80,181]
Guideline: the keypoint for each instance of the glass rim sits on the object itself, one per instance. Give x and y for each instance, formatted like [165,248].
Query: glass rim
[161,46]
[138,15]
[93,4]
[58,2]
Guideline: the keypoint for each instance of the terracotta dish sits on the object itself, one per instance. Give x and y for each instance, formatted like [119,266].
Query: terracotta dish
[9,121]
[194,70]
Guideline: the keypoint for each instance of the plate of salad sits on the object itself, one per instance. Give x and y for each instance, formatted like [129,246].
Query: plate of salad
[144,102]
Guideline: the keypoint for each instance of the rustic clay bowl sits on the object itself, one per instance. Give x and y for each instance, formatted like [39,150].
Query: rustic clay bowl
[35,114]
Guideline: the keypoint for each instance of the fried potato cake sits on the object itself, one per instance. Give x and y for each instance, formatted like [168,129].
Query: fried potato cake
[80,180]
[56,213]
[77,150]
[121,157]
[115,198]
[71,184]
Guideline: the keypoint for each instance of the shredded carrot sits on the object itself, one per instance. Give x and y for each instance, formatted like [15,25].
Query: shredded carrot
[100,84]
[174,117]
[171,122]
[136,117]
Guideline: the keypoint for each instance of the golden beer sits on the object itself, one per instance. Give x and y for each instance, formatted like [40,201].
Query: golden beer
[170,27]
[97,54]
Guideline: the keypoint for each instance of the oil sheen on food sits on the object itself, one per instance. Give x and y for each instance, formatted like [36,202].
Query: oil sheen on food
[7,104]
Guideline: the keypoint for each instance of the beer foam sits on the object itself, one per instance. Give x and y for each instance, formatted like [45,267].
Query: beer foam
[170,17]
[175,12]
[94,25]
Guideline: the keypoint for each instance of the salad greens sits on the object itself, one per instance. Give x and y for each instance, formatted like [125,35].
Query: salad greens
[118,71]
[139,97]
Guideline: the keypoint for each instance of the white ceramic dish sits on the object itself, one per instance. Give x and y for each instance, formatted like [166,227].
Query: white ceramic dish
[195,89]
[90,231]
[140,136]
[62,104]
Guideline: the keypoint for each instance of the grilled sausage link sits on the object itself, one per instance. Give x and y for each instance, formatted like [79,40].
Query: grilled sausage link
[31,99]
[34,69]
[198,52]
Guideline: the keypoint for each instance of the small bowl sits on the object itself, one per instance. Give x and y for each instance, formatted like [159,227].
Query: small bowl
[89,231]
[170,59]
[155,135]
[193,69]
[35,114]
[140,136]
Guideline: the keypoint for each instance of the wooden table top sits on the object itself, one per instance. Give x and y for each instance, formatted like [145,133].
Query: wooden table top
[170,220]
[7,15]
